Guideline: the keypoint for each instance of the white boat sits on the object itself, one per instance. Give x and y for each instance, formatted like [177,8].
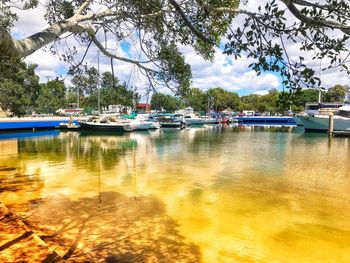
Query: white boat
[190,117]
[210,120]
[155,125]
[172,121]
[67,126]
[320,122]
[136,125]
[193,119]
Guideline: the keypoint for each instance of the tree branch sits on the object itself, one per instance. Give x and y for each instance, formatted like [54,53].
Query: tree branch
[312,22]
[109,54]
[189,24]
[82,8]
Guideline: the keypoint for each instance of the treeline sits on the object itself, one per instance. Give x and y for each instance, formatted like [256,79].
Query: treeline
[218,99]
[21,93]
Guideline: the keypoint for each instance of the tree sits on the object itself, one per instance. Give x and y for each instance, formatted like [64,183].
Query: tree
[249,102]
[268,102]
[85,83]
[19,87]
[303,96]
[222,99]
[108,80]
[197,99]
[162,101]
[155,25]
[310,30]
[320,28]
[284,101]
[113,93]
[336,93]
[52,96]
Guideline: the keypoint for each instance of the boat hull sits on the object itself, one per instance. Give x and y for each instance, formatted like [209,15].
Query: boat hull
[179,125]
[138,126]
[298,121]
[195,121]
[321,122]
[106,127]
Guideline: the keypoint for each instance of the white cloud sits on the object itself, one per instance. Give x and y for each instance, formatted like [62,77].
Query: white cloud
[262,92]
[232,76]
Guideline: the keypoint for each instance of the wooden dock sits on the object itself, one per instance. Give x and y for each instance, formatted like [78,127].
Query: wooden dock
[341,133]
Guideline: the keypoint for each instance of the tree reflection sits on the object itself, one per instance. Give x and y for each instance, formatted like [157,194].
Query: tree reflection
[84,149]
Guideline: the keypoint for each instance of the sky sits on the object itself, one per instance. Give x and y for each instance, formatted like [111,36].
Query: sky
[223,71]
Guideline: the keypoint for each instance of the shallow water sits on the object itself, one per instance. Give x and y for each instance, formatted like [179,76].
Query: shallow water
[207,194]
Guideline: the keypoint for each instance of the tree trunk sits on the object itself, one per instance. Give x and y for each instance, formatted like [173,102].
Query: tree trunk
[10,47]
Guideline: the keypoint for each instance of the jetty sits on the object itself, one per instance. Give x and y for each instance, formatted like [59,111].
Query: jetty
[30,123]
[282,120]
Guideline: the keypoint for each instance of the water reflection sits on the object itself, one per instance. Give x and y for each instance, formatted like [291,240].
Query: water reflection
[211,194]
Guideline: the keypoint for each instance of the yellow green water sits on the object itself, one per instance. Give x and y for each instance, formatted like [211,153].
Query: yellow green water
[239,194]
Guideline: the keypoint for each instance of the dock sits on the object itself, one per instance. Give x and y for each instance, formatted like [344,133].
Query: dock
[30,123]
[280,120]
[345,133]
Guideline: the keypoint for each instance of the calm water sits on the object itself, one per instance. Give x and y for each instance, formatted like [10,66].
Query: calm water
[210,194]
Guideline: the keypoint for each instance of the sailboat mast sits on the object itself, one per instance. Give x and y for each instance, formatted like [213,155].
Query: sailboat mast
[98,83]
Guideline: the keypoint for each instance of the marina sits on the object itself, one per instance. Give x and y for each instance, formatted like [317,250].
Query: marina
[174,131]
[28,123]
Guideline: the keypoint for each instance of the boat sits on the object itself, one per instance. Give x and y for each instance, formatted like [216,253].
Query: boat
[106,123]
[97,126]
[172,121]
[154,125]
[136,125]
[193,119]
[68,126]
[211,120]
[320,122]
[190,117]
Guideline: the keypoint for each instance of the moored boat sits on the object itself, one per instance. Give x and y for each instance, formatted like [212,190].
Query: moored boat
[320,122]
[172,121]
[137,125]
[97,126]
[193,119]
[108,123]
[68,126]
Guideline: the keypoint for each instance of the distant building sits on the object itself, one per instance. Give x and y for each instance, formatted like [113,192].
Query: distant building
[143,107]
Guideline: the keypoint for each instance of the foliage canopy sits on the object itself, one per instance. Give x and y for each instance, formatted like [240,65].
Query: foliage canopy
[154,29]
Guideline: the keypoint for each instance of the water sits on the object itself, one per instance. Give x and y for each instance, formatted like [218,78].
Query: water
[209,194]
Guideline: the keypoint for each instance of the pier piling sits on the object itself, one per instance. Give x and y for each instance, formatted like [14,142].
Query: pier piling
[331,124]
